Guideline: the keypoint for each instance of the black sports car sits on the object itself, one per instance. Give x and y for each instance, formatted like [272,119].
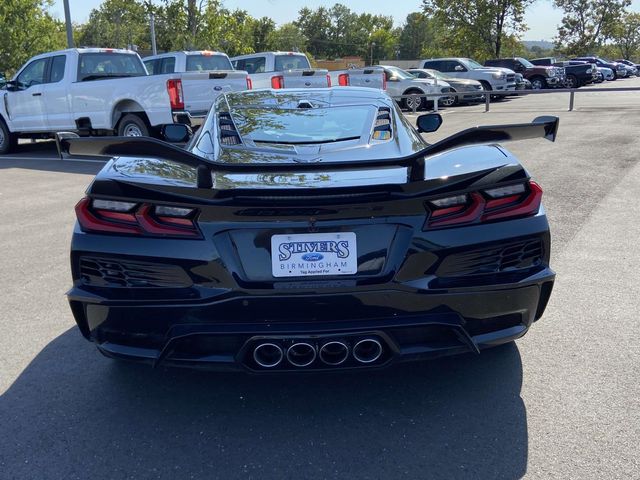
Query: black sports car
[308,230]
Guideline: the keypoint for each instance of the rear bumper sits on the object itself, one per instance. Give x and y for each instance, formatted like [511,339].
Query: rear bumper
[222,332]
[195,119]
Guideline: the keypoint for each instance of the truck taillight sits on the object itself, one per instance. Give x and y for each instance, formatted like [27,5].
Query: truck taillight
[106,216]
[249,83]
[277,82]
[343,79]
[174,88]
[328,80]
[513,201]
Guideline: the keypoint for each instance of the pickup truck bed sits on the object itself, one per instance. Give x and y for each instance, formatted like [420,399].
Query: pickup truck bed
[97,91]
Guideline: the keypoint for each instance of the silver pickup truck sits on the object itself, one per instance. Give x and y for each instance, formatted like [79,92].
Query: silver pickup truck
[199,92]
[371,77]
[491,78]
[281,70]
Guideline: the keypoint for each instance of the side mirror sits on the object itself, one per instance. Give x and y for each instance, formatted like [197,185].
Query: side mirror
[460,68]
[12,86]
[176,133]
[429,122]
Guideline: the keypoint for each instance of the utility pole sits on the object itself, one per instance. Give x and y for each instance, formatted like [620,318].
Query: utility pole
[152,27]
[373,44]
[67,21]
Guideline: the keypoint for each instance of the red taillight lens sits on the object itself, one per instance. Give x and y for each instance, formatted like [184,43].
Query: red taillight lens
[176,99]
[249,83]
[519,200]
[523,205]
[277,82]
[140,219]
[93,221]
[328,80]
[343,79]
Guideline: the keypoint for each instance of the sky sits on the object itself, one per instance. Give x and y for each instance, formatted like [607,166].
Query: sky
[542,18]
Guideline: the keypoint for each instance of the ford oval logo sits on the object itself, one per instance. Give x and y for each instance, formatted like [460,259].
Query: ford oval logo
[217,88]
[308,84]
[312,257]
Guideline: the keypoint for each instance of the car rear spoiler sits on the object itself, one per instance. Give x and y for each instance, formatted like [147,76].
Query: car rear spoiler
[69,144]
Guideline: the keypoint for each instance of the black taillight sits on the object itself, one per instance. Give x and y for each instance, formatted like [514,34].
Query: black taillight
[142,219]
[511,201]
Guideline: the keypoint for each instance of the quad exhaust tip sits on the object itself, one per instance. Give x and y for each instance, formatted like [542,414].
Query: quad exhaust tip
[367,350]
[268,355]
[301,354]
[333,353]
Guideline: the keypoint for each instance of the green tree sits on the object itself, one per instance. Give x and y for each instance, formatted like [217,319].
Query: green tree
[262,28]
[587,24]
[478,28]
[626,35]
[27,30]
[117,24]
[316,26]
[288,37]
[417,33]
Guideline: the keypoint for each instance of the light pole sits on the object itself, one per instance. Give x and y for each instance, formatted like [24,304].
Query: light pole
[152,28]
[67,21]
[373,44]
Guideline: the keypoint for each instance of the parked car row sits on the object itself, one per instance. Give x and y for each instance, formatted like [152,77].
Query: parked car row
[103,91]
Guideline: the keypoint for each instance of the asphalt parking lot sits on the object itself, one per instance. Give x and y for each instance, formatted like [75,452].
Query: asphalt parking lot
[560,403]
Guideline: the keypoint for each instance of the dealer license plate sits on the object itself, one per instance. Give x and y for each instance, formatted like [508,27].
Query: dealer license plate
[311,254]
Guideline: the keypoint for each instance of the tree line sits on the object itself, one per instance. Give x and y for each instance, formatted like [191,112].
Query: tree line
[475,28]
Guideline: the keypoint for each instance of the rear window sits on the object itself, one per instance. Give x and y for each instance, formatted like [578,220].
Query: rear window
[200,63]
[291,62]
[94,66]
[299,126]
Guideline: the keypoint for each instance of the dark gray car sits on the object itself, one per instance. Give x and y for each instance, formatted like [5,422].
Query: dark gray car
[472,89]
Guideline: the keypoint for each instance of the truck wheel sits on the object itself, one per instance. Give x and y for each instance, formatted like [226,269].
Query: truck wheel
[419,103]
[7,139]
[132,125]
[572,82]
[538,83]
[486,86]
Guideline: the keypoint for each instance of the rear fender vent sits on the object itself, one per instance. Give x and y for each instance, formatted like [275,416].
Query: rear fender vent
[228,133]
[382,130]
[492,260]
[104,272]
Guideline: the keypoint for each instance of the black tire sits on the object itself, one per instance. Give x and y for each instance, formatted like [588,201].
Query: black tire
[486,86]
[131,125]
[572,82]
[449,101]
[538,83]
[8,140]
[406,102]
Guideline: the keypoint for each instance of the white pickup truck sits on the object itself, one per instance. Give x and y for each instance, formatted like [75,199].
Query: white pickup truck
[281,70]
[93,91]
[491,78]
[199,95]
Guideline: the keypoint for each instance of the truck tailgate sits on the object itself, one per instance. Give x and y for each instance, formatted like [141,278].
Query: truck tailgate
[305,78]
[359,77]
[201,88]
